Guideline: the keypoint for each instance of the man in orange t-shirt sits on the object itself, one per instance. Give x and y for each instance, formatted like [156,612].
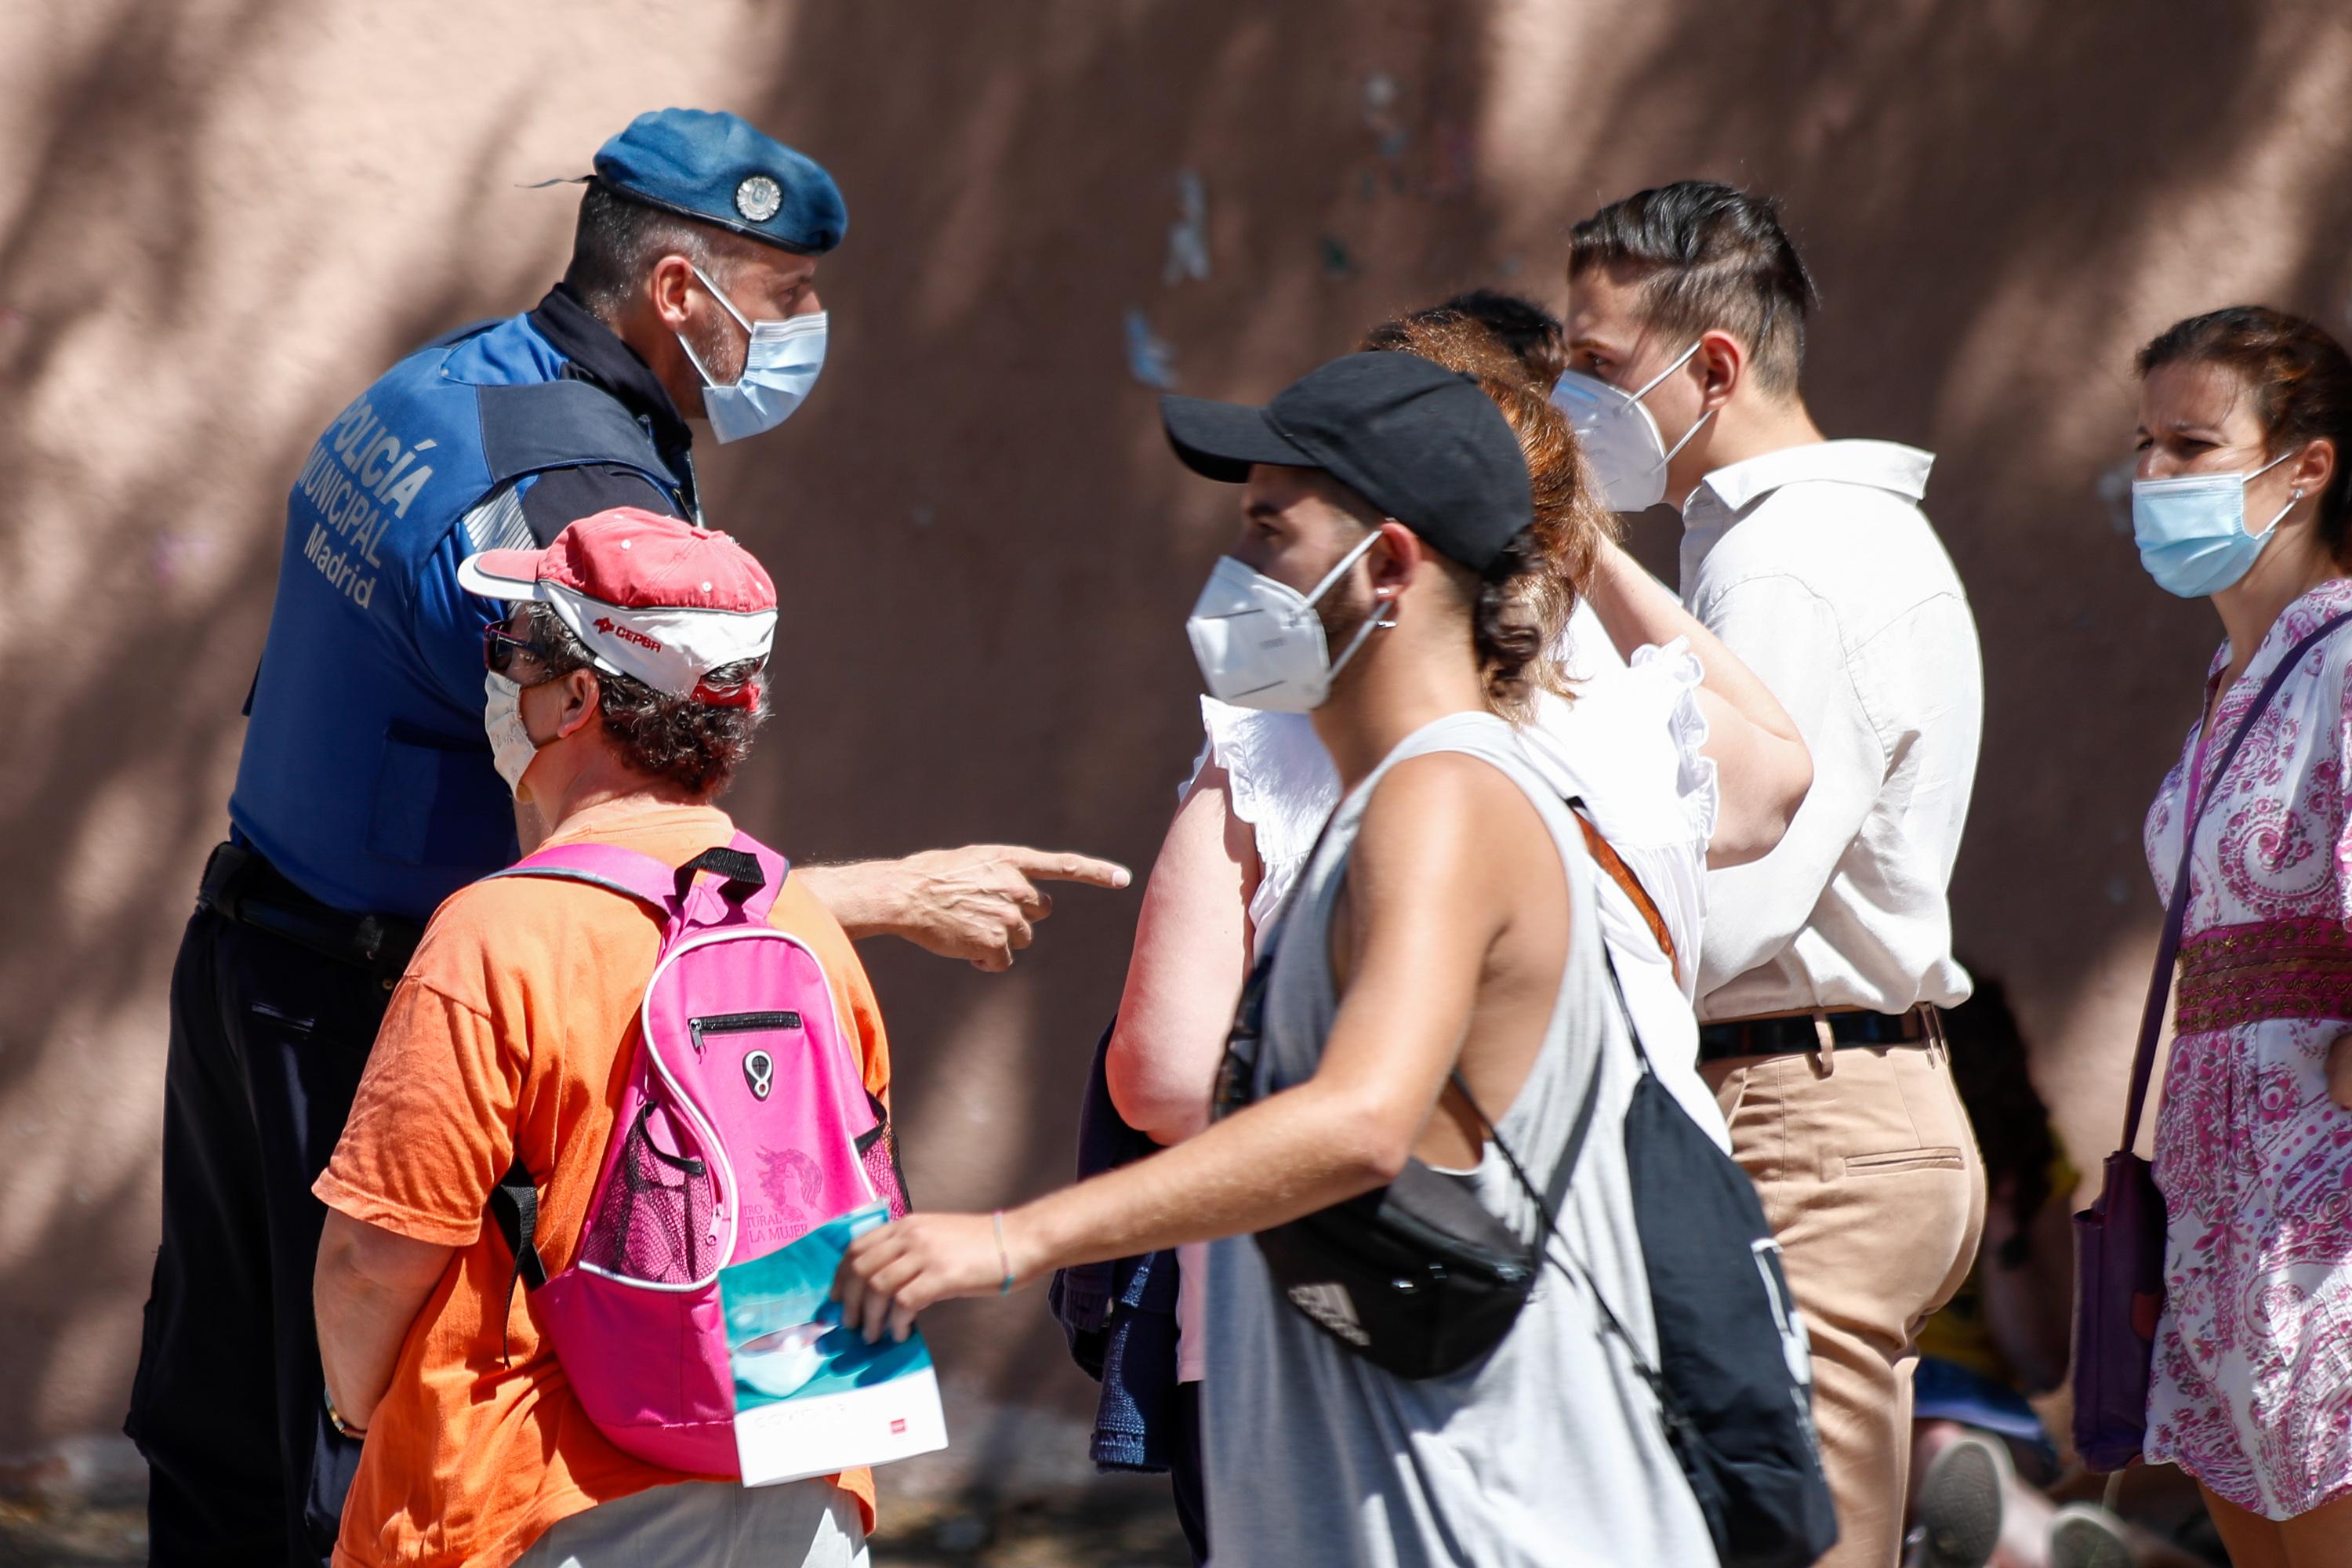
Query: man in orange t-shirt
[623,693]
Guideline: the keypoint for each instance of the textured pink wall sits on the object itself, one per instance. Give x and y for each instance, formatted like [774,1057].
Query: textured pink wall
[218,219]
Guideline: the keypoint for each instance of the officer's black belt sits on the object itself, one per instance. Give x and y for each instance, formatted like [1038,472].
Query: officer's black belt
[1802,1032]
[249,891]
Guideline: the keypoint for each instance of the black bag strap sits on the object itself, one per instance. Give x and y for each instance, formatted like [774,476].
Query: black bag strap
[1547,1201]
[740,873]
[514,1208]
[2176,913]
[1576,1269]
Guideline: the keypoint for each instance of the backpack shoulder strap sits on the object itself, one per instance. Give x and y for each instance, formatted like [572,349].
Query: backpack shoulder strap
[750,874]
[1605,855]
[754,873]
[514,1209]
[608,866]
[514,1202]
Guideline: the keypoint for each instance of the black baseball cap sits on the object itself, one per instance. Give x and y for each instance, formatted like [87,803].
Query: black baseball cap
[1417,441]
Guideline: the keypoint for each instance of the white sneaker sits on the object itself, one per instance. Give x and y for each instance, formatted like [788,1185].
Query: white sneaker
[1960,1504]
[2085,1535]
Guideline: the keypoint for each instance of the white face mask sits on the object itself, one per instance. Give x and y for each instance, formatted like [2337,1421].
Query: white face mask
[511,748]
[1260,643]
[779,368]
[1619,437]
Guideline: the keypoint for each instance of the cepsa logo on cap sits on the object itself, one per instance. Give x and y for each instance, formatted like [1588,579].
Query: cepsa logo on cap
[652,598]
[606,624]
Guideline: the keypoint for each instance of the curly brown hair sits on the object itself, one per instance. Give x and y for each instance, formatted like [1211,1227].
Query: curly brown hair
[693,745]
[1525,598]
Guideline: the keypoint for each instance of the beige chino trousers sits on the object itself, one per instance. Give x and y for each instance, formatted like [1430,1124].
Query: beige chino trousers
[1871,1180]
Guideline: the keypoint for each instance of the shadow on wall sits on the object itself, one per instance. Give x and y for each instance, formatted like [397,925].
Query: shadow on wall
[122,680]
[983,550]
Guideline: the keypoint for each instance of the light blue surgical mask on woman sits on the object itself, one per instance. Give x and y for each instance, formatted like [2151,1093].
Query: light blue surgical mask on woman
[2191,529]
[779,368]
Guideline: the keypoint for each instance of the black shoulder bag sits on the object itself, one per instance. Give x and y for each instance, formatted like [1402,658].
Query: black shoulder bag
[1415,1276]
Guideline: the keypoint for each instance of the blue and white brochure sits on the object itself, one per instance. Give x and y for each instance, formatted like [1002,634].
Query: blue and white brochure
[811,1397]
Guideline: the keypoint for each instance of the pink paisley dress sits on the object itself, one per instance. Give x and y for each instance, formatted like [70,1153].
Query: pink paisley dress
[2253,1386]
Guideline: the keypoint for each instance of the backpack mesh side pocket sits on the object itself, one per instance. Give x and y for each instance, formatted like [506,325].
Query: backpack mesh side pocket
[656,1222]
[878,1149]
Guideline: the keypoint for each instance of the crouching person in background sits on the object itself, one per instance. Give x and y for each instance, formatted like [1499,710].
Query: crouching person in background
[623,689]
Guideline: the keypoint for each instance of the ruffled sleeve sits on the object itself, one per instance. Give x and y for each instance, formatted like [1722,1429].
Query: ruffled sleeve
[1632,744]
[1283,784]
[1679,675]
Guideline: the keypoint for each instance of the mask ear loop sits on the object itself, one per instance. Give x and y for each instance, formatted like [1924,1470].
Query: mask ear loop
[715,293]
[1346,561]
[1686,438]
[2293,500]
[729,305]
[1650,385]
[2271,527]
[1378,620]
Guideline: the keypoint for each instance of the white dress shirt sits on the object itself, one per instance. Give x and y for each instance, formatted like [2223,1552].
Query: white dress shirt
[1815,565]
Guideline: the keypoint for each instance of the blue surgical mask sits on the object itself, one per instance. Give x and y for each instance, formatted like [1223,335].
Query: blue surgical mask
[2191,529]
[779,367]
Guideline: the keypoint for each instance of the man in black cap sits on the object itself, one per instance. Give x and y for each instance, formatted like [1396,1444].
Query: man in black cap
[378,777]
[1436,966]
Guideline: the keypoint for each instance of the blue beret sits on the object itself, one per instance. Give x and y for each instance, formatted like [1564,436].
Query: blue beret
[714,168]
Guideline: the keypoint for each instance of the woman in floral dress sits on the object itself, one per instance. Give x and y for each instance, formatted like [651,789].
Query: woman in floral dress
[2253,1386]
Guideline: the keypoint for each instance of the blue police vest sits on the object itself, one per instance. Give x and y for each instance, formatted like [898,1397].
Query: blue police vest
[366,777]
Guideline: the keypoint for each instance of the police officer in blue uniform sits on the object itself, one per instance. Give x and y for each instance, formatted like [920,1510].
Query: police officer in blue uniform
[366,792]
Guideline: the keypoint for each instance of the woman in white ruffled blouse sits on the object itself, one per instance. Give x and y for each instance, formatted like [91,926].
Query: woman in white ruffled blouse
[1682,758]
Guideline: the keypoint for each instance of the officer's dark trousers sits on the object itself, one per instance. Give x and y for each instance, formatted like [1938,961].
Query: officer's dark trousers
[268,1042]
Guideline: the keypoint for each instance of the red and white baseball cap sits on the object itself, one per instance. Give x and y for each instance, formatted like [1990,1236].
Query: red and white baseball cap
[652,598]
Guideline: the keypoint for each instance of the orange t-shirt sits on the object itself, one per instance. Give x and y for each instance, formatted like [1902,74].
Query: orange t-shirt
[512,1033]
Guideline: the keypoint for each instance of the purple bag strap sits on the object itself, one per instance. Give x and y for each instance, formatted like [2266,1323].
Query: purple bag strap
[2176,913]
[665,888]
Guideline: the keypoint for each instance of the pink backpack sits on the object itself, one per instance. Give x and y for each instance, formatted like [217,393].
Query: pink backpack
[744,1123]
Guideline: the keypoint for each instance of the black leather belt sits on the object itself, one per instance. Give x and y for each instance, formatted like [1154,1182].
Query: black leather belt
[249,891]
[1782,1037]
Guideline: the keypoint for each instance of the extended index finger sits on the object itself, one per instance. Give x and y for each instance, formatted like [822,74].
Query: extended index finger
[1064,865]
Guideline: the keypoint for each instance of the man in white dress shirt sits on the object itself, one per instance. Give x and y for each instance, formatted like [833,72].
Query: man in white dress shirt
[1822,963]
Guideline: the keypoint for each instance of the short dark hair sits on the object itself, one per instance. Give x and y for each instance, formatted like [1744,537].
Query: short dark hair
[1533,334]
[2302,384]
[617,240]
[694,745]
[1717,258]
